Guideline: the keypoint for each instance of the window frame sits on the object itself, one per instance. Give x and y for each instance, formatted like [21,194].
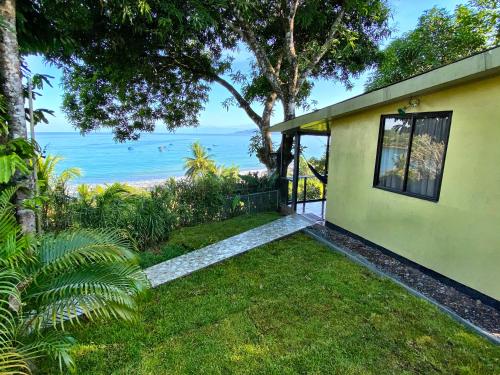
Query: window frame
[413,117]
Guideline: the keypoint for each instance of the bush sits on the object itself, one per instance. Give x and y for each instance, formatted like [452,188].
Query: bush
[50,282]
[148,217]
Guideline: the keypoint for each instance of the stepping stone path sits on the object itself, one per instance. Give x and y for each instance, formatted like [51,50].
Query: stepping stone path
[185,264]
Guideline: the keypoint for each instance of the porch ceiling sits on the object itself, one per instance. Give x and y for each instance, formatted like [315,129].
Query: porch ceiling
[320,127]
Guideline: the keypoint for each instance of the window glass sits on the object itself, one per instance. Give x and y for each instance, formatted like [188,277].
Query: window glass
[427,154]
[411,153]
[394,152]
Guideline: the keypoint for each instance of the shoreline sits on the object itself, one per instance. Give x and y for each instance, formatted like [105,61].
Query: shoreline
[150,182]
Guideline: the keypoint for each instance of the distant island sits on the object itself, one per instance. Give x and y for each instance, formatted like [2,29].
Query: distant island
[244,132]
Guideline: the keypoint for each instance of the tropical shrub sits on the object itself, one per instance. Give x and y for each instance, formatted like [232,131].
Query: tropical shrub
[255,182]
[51,282]
[146,217]
[53,197]
[199,200]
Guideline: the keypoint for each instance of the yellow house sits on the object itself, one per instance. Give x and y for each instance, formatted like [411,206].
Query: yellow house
[415,169]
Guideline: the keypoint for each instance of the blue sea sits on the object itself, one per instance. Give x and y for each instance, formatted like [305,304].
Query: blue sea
[154,156]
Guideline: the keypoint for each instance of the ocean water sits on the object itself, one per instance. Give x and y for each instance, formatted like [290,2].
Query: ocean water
[103,160]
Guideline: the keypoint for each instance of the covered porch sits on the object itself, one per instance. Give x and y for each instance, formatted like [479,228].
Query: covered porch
[302,178]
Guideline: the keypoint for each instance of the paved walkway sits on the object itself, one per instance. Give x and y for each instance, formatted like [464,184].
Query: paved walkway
[185,264]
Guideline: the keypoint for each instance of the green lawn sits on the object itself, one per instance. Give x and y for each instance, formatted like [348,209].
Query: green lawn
[191,238]
[289,307]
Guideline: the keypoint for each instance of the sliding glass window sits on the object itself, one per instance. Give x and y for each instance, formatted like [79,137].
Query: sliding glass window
[411,151]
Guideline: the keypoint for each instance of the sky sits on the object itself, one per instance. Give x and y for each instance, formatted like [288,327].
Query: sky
[214,118]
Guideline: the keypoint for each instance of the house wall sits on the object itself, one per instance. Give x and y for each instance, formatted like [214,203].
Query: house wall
[458,236]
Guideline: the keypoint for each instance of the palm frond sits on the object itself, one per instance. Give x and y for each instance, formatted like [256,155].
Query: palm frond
[6,196]
[107,280]
[74,248]
[54,344]
[14,246]
[13,359]
[68,174]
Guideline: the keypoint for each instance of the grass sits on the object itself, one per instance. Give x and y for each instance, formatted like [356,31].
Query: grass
[289,307]
[188,239]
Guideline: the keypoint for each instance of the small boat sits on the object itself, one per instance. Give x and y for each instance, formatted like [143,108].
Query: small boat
[130,148]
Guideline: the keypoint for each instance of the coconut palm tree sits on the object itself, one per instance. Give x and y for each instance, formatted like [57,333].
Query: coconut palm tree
[200,163]
[50,282]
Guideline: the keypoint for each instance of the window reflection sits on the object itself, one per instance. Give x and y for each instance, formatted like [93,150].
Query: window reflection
[427,153]
[394,152]
[421,175]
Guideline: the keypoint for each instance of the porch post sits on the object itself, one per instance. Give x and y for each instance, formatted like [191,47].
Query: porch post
[327,157]
[283,182]
[295,181]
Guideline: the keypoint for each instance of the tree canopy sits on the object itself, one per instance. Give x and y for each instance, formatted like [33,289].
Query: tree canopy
[129,67]
[439,38]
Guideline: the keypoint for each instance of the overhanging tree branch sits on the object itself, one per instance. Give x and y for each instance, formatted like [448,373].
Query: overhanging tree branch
[239,98]
[243,29]
[315,59]
[290,40]
[210,75]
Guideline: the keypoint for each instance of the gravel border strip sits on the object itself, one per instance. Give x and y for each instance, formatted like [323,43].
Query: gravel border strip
[372,267]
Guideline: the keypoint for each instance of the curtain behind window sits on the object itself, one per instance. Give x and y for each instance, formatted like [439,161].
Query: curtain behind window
[427,154]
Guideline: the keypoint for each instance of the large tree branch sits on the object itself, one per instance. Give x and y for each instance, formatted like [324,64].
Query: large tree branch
[244,30]
[240,99]
[268,109]
[315,59]
[210,75]
[291,10]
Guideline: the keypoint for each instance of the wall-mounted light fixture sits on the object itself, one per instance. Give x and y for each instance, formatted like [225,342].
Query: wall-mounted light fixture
[412,103]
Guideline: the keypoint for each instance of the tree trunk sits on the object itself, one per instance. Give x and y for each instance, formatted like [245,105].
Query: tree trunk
[13,91]
[267,153]
[286,156]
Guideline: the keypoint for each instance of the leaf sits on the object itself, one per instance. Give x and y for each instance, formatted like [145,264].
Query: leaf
[9,164]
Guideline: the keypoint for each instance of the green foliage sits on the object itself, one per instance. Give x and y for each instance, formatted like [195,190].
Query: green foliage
[148,217]
[174,50]
[438,39]
[200,200]
[314,187]
[143,216]
[255,182]
[200,163]
[53,198]
[54,281]
[38,81]
[151,36]
[13,156]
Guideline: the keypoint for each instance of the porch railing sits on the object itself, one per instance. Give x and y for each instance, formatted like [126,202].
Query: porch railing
[302,196]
